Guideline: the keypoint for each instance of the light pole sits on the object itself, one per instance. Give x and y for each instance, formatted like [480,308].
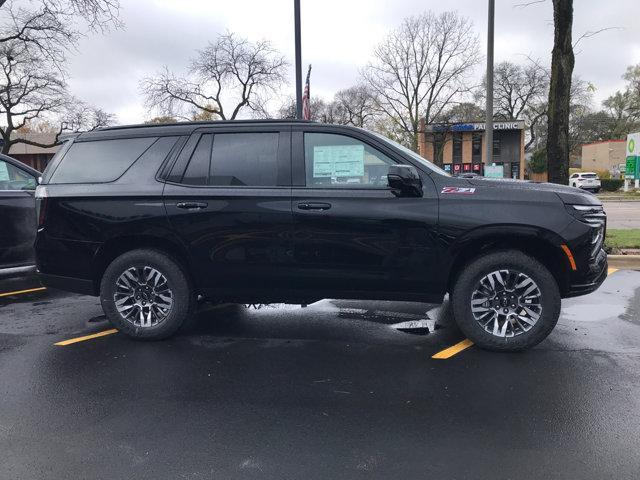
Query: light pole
[489,103]
[296,14]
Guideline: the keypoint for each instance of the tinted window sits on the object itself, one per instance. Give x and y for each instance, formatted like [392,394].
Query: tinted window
[197,172]
[99,161]
[589,175]
[341,161]
[249,159]
[457,147]
[497,145]
[12,178]
[476,147]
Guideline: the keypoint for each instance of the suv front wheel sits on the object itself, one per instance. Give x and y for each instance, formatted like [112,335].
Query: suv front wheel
[146,294]
[506,301]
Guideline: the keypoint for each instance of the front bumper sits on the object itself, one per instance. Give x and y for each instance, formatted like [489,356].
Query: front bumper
[591,278]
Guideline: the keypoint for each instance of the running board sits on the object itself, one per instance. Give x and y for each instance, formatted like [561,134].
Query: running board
[15,271]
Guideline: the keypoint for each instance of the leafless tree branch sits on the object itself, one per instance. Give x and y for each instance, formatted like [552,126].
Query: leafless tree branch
[231,70]
[421,67]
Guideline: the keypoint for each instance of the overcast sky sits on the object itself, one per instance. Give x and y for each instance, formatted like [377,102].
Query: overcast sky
[338,37]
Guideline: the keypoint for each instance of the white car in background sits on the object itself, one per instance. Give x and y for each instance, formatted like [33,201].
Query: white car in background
[586,181]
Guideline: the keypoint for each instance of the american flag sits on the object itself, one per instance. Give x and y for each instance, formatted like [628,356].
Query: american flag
[306,102]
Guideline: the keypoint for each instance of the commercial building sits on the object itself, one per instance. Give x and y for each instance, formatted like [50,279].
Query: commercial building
[607,155]
[460,147]
[35,157]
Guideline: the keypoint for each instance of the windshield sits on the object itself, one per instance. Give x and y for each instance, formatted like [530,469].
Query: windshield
[421,160]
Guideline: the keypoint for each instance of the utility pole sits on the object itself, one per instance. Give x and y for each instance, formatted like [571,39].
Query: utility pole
[489,104]
[296,14]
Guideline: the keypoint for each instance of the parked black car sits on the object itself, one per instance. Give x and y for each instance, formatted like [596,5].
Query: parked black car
[148,217]
[17,216]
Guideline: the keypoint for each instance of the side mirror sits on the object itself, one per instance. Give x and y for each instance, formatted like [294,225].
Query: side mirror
[404,181]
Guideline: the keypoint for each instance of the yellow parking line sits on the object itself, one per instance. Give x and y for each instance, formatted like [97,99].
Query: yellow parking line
[453,350]
[18,292]
[86,337]
[611,270]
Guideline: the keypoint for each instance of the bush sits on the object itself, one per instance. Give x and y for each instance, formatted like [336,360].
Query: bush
[611,184]
[538,162]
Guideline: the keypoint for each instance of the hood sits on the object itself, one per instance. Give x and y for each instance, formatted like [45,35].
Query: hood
[567,194]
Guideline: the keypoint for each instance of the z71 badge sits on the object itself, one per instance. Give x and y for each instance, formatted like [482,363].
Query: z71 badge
[459,190]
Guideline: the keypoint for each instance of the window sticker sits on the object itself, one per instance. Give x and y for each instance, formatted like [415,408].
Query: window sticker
[4,172]
[338,161]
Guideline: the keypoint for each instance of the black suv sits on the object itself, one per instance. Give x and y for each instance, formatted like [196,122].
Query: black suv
[149,217]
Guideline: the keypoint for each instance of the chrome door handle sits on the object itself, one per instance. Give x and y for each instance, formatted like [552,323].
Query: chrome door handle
[314,206]
[192,205]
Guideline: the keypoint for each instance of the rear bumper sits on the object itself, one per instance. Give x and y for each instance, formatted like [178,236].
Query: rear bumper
[68,284]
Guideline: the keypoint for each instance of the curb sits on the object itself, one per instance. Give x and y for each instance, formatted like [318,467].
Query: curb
[619,200]
[630,262]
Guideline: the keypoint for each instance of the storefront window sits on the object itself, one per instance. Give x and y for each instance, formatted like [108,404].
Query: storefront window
[476,148]
[496,145]
[457,147]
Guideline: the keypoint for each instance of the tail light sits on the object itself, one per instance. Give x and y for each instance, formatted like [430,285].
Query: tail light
[41,205]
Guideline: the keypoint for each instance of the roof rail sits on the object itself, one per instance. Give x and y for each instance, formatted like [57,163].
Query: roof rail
[204,123]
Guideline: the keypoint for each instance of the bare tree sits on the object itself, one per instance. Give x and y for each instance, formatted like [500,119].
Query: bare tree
[422,67]
[32,91]
[52,27]
[321,110]
[81,117]
[520,92]
[34,38]
[231,70]
[28,90]
[356,106]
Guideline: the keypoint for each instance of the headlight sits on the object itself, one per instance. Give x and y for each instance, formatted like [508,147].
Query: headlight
[594,216]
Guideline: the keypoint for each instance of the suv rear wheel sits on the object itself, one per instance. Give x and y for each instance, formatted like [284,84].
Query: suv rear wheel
[506,301]
[146,294]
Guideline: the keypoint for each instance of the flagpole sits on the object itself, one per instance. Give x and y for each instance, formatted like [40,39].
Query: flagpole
[296,14]
[306,97]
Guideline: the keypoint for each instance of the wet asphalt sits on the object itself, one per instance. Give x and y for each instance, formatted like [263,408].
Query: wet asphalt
[329,391]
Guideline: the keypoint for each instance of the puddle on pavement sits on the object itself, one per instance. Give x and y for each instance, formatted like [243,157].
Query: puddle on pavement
[617,298]
[632,312]
[410,323]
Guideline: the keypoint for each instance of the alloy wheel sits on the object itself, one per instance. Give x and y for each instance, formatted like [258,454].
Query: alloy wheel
[143,296]
[506,303]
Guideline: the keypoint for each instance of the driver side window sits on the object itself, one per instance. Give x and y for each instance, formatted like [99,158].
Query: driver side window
[12,178]
[340,161]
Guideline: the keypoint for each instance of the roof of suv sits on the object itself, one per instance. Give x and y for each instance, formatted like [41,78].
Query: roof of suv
[178,128]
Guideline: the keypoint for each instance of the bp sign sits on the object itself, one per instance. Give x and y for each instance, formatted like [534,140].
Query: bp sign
[633,152]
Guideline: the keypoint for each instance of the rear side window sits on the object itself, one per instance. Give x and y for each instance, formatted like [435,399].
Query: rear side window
[197,172]
[247,159]
[99,161]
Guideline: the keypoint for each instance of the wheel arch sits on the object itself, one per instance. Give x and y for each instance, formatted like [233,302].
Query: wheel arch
[116,246]
[541,244]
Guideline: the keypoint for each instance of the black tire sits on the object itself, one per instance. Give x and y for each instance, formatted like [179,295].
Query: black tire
[517,261]
[184,299]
